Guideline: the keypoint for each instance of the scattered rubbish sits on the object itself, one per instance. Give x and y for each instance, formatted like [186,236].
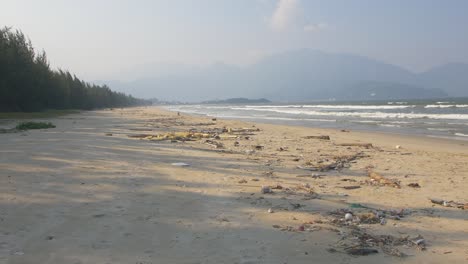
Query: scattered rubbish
[249,151]
[266,189]
[259,147]
[377,179]
[271,211]
[214,144]
[463,206]
[318,137]
[255,180]
[315,176]
[361,251]
[348,217]
[180,136]
[283,149]
[236,144]
[242,181]
[180,164]
[398,147]
[109,134]
[345,131]
[414,185]
[336,163]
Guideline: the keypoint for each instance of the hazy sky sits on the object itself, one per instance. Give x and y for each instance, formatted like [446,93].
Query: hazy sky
[101,39]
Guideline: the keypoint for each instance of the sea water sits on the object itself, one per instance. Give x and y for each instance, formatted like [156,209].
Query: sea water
[431,118]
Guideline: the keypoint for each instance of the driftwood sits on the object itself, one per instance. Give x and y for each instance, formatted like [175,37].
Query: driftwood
[318,137]
[463,206]
[243,130]
[381,180]
[339,163]
[364,145]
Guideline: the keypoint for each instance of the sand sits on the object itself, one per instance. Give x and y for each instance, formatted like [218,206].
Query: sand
[86,192]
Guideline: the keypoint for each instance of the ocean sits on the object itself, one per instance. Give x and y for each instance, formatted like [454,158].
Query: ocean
[445,119]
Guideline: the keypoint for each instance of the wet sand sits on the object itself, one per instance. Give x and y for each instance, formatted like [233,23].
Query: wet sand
[86,192]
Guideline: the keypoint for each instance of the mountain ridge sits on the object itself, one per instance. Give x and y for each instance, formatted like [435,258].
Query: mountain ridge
[303,75]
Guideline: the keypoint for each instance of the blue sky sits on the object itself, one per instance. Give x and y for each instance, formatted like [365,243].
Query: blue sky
[100,39]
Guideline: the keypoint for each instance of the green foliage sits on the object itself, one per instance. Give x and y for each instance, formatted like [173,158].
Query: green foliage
[34,125]
[27,83]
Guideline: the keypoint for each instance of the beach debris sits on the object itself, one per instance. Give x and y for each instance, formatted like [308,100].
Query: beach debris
[214,144]
[259,147]
[361,251]
[236,143]
[266,189]
[282,148]
[348,217]
[180,136]
[336,163]
[459,205]
[348,180]
[242,181]
[352,187]
[314,176]
[242,130]
[419,242]
[414,185]
[180,164]
[364,145]
[277,187]
[270,211]
[318,137]
[383,221]
[377,179]
[398,147]
[109,134]
[344,131]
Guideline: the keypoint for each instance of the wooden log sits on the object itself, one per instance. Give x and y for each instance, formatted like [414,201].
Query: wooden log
[364,145]
[318,137]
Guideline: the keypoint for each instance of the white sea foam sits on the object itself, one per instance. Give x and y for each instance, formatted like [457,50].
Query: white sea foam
[351,107]
[447,106]
[377,115]
[461,135]
[438,129]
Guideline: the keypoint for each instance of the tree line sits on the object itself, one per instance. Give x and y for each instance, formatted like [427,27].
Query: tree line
[27,82]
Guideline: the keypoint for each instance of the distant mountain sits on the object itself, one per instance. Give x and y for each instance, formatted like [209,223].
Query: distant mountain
[452,78]
[238,101]
[302,75]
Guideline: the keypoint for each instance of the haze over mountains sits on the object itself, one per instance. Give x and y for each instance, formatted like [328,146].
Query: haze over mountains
[299,75]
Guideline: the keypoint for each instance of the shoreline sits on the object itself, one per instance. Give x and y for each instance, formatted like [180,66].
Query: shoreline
[134,185]
[395,136]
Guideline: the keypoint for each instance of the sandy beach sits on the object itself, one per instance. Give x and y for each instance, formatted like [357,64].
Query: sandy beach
[107,187]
